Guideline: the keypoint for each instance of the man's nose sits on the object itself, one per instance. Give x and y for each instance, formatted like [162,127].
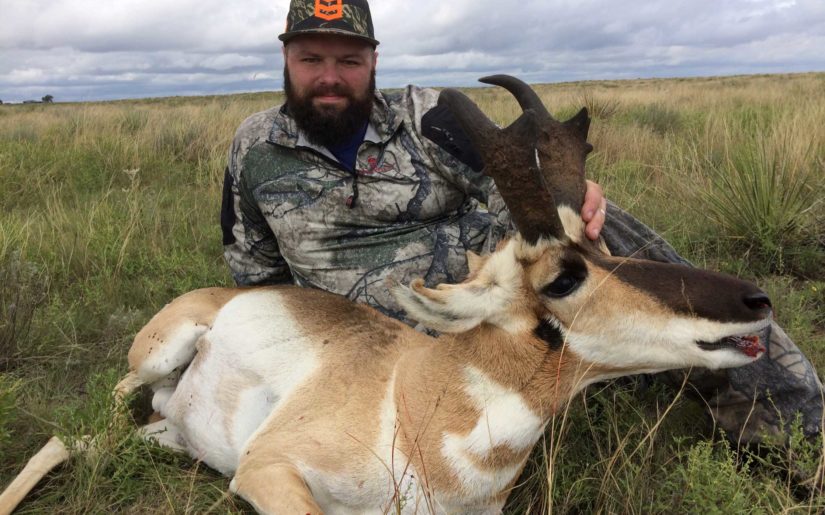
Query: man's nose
[329,74]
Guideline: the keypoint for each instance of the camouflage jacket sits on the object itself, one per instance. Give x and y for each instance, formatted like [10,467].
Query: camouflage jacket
[415,205]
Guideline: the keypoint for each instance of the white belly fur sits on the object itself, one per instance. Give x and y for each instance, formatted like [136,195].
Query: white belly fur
[253,357]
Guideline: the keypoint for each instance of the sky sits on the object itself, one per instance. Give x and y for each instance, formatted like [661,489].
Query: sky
[82,50]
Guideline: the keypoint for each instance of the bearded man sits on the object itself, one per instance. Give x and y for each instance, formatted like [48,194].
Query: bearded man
[343,186]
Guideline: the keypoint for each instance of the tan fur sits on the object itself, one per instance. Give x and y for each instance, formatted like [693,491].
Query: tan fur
[199,306]
[474,263]
[280,481]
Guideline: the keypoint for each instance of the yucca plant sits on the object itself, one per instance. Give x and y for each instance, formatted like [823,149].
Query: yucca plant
[600,107]
[764,186]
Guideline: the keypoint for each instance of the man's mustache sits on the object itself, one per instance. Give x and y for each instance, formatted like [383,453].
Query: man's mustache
[331,90]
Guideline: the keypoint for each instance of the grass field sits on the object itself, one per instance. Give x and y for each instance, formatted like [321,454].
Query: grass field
[111,209]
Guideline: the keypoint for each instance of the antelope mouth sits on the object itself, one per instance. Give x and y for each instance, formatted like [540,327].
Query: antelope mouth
[750,345]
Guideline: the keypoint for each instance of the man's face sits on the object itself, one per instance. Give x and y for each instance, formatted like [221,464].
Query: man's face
[329,82]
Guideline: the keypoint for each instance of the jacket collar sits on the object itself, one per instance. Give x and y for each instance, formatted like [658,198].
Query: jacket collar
[383,124]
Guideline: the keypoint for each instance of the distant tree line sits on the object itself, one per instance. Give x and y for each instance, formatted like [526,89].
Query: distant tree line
[48,99]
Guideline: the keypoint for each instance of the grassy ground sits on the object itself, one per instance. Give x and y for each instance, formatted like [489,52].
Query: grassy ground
[110,210]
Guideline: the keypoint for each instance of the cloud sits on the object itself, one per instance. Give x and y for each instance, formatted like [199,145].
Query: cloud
[140,25]
[84,49]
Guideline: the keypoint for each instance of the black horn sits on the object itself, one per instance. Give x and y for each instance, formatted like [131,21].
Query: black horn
[525,96]
[510,159]
[562,147]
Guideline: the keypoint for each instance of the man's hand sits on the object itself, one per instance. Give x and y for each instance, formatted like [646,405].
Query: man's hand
[594,210]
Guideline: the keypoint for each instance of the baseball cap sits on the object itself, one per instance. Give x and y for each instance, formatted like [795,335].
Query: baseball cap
[342,17]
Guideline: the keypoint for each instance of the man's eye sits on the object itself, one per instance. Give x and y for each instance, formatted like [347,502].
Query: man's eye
[310,60]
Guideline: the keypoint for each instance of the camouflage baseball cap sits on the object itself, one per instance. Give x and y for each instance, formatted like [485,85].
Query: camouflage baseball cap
[343,17]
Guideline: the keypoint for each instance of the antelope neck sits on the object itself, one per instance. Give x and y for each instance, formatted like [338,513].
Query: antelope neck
[522,364]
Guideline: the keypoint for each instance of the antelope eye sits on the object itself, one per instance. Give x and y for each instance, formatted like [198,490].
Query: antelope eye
[564,285]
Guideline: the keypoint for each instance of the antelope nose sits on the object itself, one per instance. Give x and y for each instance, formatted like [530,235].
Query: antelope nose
[758,301]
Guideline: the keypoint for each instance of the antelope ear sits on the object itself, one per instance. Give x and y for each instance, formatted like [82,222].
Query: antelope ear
[448,308]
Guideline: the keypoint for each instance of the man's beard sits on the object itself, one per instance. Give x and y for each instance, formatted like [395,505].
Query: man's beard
[329,127]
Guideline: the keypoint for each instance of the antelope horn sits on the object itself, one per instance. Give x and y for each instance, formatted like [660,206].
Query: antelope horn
[562,147]
[510,159]
[525,96]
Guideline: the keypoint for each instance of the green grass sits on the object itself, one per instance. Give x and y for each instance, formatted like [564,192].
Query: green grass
[631,447]
[111,209]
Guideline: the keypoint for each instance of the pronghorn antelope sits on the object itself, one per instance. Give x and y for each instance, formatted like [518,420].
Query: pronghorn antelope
[312,403]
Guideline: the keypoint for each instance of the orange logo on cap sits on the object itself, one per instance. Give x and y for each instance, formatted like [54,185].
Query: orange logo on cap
[329,9]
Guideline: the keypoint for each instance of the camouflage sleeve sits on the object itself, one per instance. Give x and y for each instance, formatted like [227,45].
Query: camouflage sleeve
[250,247]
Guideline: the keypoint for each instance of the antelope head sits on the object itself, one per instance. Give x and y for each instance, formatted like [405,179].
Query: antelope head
[549,285]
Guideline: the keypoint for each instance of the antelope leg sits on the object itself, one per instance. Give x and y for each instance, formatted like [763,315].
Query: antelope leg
[127,385]
[51,455]
[277,488]
[164,433]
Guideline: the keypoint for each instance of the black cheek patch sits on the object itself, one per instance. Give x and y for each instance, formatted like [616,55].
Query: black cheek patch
[550,334]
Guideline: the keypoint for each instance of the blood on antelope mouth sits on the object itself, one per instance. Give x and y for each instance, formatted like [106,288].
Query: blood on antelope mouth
[750,344]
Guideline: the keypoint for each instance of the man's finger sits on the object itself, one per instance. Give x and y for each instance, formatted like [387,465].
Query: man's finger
[594,226]
[593,198]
